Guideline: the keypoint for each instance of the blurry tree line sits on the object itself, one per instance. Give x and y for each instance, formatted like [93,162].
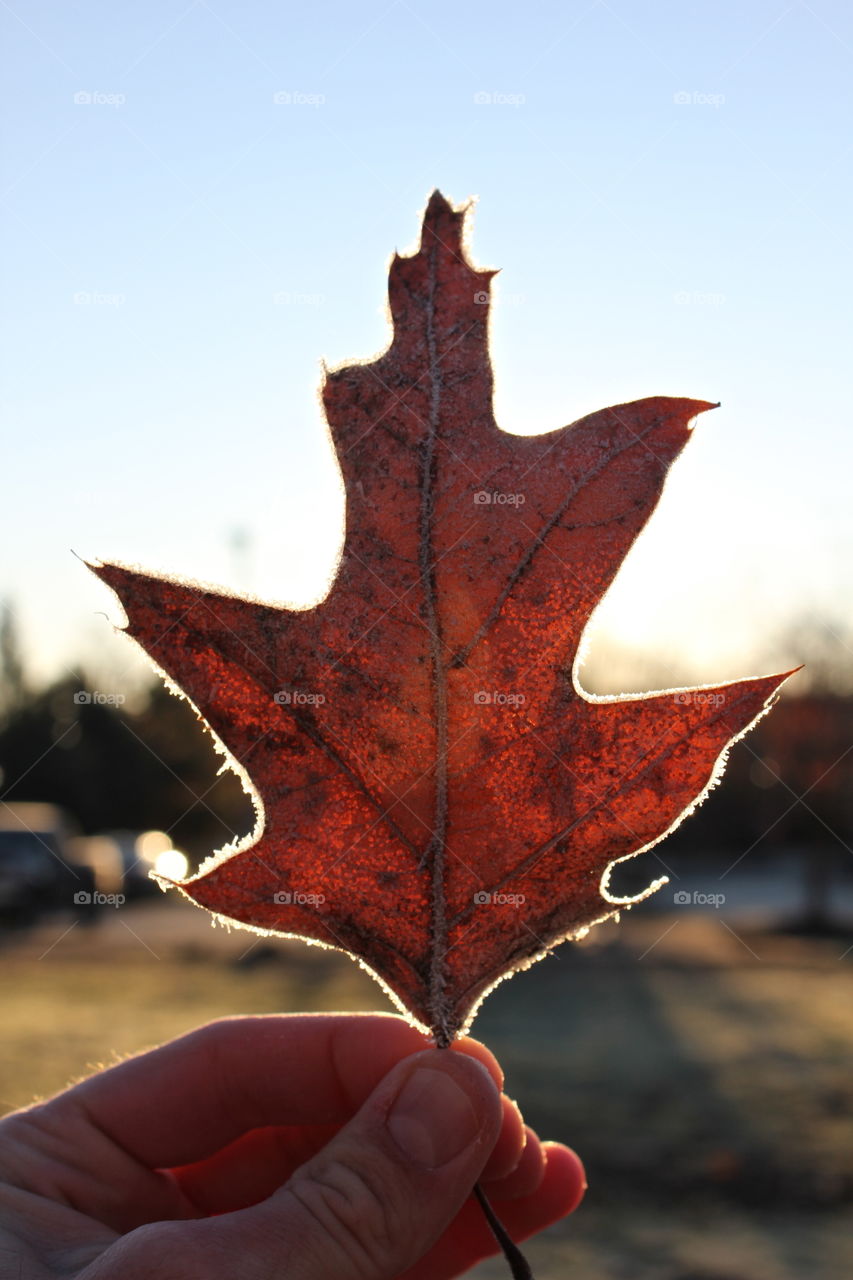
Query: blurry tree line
[788,788]
[114,766]
[150,763]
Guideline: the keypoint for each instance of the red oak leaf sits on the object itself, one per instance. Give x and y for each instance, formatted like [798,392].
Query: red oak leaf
[435,793]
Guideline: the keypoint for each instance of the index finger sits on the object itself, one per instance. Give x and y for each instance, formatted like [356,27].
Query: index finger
[187,1099]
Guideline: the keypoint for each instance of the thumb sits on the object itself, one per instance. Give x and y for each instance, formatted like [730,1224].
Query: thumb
[379,1195]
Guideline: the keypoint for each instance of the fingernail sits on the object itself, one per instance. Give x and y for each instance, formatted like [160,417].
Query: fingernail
[432,1118]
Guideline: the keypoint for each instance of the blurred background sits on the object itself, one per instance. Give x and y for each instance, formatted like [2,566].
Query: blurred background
[199,203]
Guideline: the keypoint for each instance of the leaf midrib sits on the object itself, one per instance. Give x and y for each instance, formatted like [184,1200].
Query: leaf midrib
[434,859]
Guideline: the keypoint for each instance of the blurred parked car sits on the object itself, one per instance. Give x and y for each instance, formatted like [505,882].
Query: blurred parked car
[135,863]
[38,872]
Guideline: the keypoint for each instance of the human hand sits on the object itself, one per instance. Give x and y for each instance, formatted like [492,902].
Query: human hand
[294,1147]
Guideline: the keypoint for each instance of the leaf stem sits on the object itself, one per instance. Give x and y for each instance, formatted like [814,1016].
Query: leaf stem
[518,1264]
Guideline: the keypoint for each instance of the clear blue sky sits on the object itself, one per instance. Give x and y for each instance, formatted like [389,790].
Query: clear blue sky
[666,187]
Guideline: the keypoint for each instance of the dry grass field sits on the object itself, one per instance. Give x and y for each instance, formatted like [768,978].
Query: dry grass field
[705,1076]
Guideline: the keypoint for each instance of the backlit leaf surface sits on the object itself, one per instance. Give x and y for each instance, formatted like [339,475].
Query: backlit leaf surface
[436,794]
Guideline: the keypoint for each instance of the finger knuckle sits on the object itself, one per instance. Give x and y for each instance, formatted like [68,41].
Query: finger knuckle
[349,1205]
[169,1251]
